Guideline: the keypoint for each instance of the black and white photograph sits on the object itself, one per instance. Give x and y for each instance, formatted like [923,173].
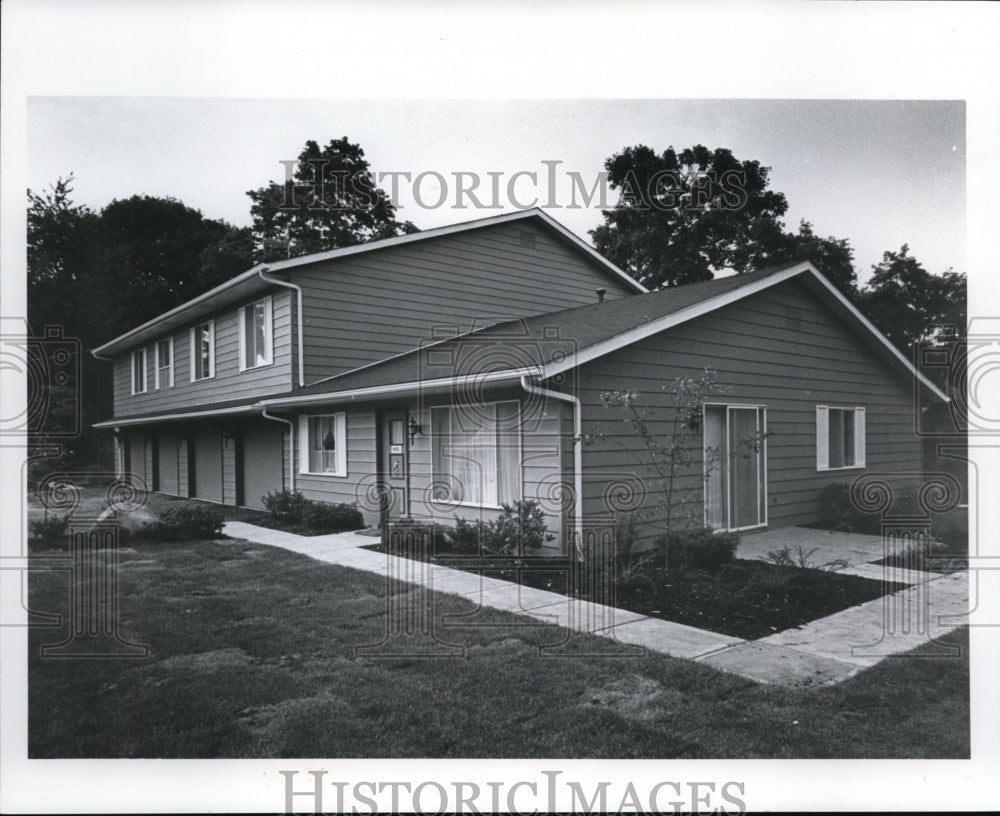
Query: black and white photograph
[499,409]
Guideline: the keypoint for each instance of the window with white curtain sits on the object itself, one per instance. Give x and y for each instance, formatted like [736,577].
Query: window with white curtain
[477,452]
[323,444]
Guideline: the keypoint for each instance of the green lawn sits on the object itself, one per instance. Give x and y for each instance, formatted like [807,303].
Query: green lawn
[252,654]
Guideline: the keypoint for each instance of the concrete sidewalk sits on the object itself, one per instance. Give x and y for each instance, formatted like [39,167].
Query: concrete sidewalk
[824,651]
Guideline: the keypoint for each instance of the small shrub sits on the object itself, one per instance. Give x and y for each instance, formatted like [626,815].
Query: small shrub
[465,538]
[331,518]
[802,559]
[285,505]
[185,522]
[49,531]
[838,511]
[700,549]
[518,530]
[952,529]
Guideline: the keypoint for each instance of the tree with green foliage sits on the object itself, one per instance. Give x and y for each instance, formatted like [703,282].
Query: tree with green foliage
[98,274]
[910,305]
[329,200]
[834,257]
[682,216]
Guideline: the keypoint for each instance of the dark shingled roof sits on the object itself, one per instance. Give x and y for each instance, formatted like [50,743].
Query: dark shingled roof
[530,341]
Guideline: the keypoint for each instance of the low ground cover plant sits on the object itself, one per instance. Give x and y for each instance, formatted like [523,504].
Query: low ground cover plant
[185,522]
[690,577]
[291,511]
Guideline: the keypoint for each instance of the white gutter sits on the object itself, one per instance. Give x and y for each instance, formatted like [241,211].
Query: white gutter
[262,272]
[291,445]
[378,390]
[531,388]
[208,412]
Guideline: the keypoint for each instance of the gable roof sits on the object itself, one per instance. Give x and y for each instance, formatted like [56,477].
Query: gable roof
[251,282]
[548,344]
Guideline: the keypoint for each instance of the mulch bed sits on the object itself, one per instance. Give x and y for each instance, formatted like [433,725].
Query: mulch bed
[745,599]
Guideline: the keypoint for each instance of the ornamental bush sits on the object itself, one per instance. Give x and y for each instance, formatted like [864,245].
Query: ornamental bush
[285,505]
[185,522]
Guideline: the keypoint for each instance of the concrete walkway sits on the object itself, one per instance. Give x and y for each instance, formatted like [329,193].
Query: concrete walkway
[824,651]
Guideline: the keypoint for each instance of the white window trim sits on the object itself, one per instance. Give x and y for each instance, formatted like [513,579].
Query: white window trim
[268,334]
[823,438]
[520,459]
[762,483]
[340,433]
[145,371]
[156,364]
[195,346]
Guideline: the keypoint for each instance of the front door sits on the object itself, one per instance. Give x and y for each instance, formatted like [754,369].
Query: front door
[735,467]
[394,465]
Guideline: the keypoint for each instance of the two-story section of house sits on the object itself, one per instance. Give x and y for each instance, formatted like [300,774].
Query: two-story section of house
[188,384]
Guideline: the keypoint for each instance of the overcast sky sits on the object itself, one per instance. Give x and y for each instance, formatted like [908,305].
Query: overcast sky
[878,173]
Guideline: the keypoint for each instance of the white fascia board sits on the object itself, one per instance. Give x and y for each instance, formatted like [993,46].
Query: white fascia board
[209,412]
[397,388]
[177,310]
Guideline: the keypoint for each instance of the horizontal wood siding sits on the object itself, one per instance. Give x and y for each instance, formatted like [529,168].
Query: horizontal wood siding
[263,460]
[167,441]
[367,307]
[541,449]
[229,382]
[136,464]
[763,359]
[208,463]
[361,468]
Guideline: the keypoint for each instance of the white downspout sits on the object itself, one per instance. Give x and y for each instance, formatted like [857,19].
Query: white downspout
[262,271]
[531,388]
[291,445]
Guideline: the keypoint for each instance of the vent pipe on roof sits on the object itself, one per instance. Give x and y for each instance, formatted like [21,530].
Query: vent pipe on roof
[600,295]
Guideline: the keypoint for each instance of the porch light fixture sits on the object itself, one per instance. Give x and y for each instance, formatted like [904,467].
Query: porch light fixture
[413,428]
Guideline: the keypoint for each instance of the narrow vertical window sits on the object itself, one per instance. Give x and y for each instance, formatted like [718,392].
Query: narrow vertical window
[255,334]
[165,363]
[203,351]
[139,371]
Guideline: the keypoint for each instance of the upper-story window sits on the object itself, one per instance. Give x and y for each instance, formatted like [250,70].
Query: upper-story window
[164,363]
[256,343]
[139,371]
[203,351]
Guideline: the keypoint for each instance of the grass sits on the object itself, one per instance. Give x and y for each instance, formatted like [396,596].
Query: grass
[252,654]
